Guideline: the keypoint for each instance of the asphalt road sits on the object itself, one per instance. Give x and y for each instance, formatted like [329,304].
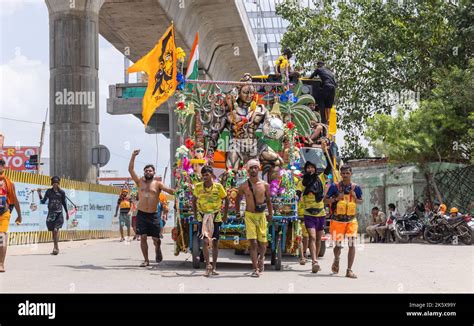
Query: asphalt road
[110,266]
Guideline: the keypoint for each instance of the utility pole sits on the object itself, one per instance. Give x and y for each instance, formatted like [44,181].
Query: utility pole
[41,142]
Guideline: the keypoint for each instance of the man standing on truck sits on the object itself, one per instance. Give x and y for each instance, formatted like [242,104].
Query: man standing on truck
[329,85]
[148,223]
[207,203]
[257,199]
[344,197]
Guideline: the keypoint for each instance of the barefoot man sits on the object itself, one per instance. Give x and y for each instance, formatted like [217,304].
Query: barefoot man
[148,223]
[257,199]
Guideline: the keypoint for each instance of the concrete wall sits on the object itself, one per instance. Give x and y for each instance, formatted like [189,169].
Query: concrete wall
[382,185]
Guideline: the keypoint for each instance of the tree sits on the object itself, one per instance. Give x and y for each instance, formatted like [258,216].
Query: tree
[439,130]
[378,51]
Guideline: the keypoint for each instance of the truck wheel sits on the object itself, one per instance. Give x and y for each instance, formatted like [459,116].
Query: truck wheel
[196,251]
[278,254]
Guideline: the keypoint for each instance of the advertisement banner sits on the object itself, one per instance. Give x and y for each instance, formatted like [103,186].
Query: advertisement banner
[93,211]
[18,158]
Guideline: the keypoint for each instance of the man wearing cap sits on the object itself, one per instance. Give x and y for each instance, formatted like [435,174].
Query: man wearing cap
[124,219]
[56,198]
[257,199]
[8,199]
[454,212]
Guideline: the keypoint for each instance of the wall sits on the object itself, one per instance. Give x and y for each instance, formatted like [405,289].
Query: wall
[383,184]
[94,216]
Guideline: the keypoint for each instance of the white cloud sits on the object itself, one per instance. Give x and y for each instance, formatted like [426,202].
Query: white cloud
[9,7]
[24,95]
[24,91]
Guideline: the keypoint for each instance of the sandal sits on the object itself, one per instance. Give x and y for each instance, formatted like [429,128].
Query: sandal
[261,265]
[159,255]
[302,261]
[208,270]
[335,266]
[255,274]
[350,274]
[55,252]
[315,268]
[214,272]
[145,264]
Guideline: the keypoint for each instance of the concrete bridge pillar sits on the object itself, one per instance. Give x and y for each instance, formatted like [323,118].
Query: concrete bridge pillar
[74,86]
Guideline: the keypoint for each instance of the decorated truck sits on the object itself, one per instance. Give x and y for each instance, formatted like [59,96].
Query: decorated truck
[226,123]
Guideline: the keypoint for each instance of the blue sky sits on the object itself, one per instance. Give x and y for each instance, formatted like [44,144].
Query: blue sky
[24,89]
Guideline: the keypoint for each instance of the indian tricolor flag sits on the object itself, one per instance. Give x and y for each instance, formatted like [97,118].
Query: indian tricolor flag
[192,70]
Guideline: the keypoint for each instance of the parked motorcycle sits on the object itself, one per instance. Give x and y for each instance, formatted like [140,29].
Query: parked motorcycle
[409,226]
[447,230]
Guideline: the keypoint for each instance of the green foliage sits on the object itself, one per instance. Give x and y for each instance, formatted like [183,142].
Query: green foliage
[378,50]
[441,129]
[300,111]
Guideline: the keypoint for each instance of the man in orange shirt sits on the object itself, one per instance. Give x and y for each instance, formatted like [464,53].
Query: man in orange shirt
[7,200]
[124,219]
[162,213]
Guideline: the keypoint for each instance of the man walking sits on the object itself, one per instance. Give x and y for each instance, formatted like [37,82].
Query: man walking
[207,203]
[124,203]
[344,197]
[311,192]
[56,198]
[257,199]
[7,199]
[148,223]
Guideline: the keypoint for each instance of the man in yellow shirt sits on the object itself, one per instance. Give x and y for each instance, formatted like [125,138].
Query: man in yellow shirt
[311,191]
[207,203]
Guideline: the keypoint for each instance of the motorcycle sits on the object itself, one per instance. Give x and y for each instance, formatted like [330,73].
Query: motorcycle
[443,230]
[408,227]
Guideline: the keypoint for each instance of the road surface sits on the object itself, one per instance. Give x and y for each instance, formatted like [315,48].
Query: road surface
[110,266]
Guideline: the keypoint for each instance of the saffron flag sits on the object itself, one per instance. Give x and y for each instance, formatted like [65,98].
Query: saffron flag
[160,66]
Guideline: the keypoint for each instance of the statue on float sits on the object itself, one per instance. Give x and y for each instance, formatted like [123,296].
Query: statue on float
[244,117]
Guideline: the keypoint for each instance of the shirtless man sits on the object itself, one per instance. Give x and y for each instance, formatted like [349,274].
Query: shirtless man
[148,223]
[257,198]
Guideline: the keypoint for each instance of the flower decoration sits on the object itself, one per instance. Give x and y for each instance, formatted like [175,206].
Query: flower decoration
[283,98]
[180,54]
[290,125]
[181,81]
[189,143]
[180,106]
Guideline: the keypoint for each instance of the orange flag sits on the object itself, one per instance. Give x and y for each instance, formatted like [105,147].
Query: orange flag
[160,66]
